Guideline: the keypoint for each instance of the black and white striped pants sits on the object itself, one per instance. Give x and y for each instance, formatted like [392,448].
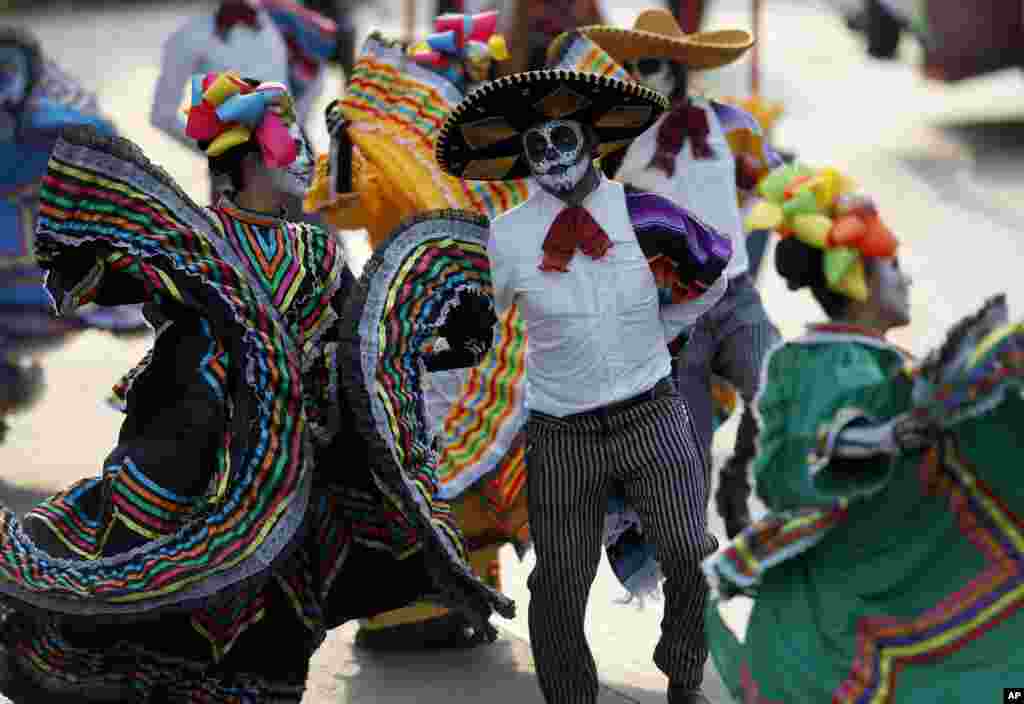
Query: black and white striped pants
[652,451]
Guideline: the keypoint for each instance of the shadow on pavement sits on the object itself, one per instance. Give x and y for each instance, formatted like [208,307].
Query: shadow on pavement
[501,673]
[492,673]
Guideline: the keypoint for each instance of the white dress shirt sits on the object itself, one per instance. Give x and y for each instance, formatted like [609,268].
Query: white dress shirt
[706,187]
[196,48]
[595,334]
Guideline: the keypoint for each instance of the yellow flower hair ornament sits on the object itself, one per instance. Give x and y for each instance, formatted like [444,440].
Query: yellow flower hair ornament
[821,209]
[227,111]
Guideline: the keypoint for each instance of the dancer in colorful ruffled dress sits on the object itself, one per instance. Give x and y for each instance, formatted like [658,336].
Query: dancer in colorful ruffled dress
[276,40]
[37,100]
[888,568]
[705,156]
[380,172]
[265,486]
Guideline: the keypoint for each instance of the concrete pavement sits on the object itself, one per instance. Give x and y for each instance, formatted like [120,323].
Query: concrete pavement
[501,673]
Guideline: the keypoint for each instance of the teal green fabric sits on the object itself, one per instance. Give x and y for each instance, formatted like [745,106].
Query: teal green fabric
[845,620]
[807,385]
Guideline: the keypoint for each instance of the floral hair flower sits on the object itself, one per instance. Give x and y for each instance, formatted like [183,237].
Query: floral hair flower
[227,111]
[821,208]
[462,43]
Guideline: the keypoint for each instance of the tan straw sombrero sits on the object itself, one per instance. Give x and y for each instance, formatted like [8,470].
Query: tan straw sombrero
[482,139]
[656,35]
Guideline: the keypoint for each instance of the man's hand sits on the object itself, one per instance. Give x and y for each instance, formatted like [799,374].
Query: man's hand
[470,323]
[911,432]
[469,331]
[334,117]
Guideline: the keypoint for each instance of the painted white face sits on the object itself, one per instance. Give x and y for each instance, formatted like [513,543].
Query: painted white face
[655,74]
[890,290]
[556,152]
[298,176]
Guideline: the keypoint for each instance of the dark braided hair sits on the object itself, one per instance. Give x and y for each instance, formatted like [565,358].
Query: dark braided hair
[803,266]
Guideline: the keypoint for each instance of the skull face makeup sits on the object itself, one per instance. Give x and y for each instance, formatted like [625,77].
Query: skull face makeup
[656,74]
[557,154]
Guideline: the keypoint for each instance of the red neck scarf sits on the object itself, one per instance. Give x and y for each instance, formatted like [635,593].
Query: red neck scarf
[573,229]
[235,12]
[685,120]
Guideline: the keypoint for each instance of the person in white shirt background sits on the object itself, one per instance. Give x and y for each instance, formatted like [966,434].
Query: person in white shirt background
[242,36]
[604,412]
[703,155]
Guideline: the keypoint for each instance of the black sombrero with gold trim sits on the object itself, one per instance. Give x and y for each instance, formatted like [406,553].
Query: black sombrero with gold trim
[482,138]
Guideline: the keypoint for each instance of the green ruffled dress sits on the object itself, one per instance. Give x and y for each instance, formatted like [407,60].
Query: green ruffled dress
[891,579]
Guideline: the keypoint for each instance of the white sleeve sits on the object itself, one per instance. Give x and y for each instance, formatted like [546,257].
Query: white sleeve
[679,316]
[180,61]
[309,98]
[501,277]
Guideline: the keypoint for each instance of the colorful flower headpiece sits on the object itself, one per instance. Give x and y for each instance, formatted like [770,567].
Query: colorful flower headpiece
[821,209]
[227,111]
[462,42]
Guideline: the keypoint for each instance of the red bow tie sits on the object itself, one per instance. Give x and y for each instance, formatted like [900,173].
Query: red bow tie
[687,120]
[573,228]
[235,12]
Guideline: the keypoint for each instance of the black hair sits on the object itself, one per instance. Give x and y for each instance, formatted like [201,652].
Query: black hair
[681,74]
[803,266]
[230,162]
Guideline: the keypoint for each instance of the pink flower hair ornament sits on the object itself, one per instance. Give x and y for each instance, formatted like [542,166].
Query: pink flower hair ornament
[462,43]
[227,111]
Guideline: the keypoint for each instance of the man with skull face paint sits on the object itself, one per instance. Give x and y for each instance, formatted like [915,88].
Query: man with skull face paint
[604,413]
[704,156]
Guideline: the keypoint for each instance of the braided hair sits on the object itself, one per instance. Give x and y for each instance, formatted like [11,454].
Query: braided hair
[802,266]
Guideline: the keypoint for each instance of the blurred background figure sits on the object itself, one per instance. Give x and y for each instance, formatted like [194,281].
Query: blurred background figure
[707,157]
[340,12]
[37,99]
[881,27]
[531,25]
[278,41]
[959,40]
